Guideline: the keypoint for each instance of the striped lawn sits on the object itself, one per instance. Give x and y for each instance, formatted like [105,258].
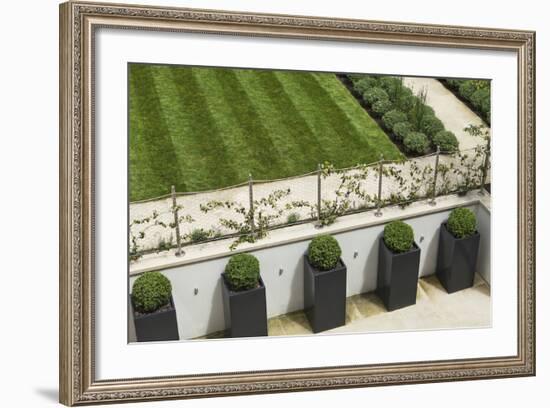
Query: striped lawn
[205,128]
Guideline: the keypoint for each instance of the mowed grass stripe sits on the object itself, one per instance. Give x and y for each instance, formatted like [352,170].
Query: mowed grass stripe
[264,158]
[153,162]
[358,123]
[218,125]
[288,130]
[317,113]
[196,132]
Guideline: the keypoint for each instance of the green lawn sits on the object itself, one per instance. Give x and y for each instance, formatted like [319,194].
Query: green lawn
[205,128]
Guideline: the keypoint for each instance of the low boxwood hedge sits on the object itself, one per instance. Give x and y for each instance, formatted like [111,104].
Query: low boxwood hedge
[373,95]
[324,252]
[446,141]
[416,143]
[430,125]
[406,115]
[398,236]
[392,117]
[476,92]
[402,129]
[382,106]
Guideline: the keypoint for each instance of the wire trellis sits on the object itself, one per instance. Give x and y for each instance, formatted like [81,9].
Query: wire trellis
[249,210]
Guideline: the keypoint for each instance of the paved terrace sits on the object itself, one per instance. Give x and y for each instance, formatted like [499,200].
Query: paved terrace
[435,309]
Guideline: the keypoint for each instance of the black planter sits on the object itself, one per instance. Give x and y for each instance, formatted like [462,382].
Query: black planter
[397,276]
[161,325]
[325,296]
[456,260]
[245,311]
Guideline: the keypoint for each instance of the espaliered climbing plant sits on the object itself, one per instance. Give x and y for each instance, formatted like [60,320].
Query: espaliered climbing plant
[262,216]
[151,221]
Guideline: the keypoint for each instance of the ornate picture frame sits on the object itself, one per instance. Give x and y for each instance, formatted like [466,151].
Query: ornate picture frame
[78,24]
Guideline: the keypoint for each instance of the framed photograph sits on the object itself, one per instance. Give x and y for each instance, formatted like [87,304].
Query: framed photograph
[255,203]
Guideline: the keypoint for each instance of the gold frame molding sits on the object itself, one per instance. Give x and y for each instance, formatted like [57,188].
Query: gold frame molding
[78,22]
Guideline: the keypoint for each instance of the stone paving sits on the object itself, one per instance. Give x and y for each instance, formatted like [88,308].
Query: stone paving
[434,309]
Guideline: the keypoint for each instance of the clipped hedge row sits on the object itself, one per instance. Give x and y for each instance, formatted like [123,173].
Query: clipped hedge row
[405,115]
[477,92]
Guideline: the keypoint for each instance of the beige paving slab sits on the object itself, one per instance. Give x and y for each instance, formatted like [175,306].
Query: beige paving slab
[434,309]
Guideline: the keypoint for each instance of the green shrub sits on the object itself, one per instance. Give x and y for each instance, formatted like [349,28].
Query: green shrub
[462,222]
[393,86]
[199,235]
[486,108]
[242,272]
[430,125]
[398,236]
[446,141]
[467,88]
[419,109]
[393,117]
[354,77]
[292,218]
[324,252]
[364,84]
[416,143]
[479,96]
[389,83]
[164,245]
[401,130]
[382,106]
[374,95]
[150,292]
[405,101]
[454,83]
[358,77]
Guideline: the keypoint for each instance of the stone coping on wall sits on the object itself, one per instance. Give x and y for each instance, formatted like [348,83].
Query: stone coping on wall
[302,232]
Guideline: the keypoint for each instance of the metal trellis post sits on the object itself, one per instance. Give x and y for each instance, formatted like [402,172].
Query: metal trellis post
[378,212]
[485,168]
[319,194]
[434,187]
[251,204]
[179,251]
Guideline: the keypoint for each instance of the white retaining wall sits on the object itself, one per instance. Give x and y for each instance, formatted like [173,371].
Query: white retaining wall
[282,271]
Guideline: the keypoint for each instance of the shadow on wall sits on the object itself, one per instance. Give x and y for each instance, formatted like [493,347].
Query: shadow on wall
[370,279]
[216,309]
[429,254]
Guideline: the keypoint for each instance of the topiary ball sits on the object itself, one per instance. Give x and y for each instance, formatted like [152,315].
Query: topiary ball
[374,95]
[446,141]
[150,292]
[398,236]
[381,107]
[393,117]
[363,84]
[401,130]
[462,222]
[416,142]
[242,272]
[324,252]
[389,83]
[430,125]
